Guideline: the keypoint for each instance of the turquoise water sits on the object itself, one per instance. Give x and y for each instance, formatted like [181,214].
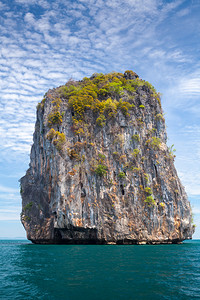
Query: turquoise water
[30,271]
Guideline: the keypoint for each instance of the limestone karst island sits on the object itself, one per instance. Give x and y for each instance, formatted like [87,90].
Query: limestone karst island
[100,170]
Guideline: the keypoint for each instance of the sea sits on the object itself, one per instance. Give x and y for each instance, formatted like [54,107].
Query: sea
[75,272]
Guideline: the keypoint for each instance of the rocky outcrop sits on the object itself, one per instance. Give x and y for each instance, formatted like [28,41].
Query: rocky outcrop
[100,170]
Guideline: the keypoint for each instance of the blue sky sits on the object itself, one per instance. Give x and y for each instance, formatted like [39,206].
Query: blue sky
[44,43]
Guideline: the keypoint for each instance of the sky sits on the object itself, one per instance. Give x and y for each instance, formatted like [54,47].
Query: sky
[44,43]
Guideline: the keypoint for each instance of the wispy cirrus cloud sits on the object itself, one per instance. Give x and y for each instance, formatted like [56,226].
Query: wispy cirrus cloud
[10,196]
[190,86]
[9,215]
[187,143]
[7,189]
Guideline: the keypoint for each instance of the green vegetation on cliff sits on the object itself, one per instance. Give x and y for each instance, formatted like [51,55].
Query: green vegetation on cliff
[103,94]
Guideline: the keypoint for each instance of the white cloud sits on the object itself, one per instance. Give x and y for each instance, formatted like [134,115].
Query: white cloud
[183,12]
[9,217]
[190,86]
[3,6]
[171,5]
[6,189]
[187,143]
[30,18]
[29,2]
[10,214]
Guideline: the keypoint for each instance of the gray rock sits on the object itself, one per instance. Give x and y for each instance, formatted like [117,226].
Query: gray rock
[109,184]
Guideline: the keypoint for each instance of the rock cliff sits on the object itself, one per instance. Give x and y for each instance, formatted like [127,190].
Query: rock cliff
[100,170]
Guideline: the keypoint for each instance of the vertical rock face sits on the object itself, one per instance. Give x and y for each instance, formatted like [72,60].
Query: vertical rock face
[100,170]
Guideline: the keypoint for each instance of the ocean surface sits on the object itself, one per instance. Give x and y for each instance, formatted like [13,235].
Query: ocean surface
[30,271]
